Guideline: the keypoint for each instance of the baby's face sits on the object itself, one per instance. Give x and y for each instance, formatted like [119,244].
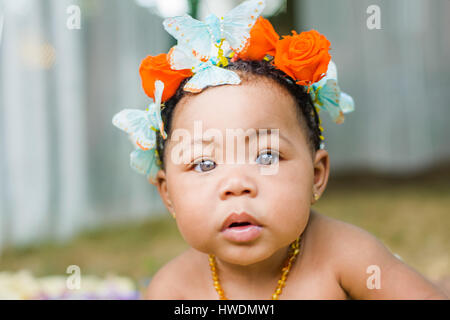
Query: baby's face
[203,195]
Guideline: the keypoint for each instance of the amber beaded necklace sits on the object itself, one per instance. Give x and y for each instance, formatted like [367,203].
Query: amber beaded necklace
[281,283]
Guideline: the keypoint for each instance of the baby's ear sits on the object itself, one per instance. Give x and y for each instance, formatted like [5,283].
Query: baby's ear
[161,184]
[321,171]
[160,179]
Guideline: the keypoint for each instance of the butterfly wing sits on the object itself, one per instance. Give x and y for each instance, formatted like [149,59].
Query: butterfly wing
[346,103]
[159,88]
[330,74]
[181,57]
[211,76]
[333,100]
[332,71]
[154,111]
[144,162]
[135,122]
[329,97]
[154,117]
[130,120]
[237,23]
[146,138]
[190,32]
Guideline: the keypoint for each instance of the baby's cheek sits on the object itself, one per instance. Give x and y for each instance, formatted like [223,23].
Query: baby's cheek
[291,208]
[196,227]
[292,216]
[194,213]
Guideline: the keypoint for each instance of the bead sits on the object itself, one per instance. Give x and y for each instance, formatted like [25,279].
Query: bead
[281,282]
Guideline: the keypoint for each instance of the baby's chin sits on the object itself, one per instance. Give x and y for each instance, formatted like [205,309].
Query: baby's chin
[244,254]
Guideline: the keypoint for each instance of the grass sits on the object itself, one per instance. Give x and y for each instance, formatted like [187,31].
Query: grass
[411,217]
[135,250]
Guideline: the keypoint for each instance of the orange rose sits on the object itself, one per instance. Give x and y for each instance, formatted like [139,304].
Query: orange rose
[263,40]
[304,57]
[158,68]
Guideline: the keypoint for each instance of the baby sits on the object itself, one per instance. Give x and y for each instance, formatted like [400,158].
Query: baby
[246,211]
[206,198]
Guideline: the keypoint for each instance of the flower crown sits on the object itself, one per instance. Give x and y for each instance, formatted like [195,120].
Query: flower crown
[204,48]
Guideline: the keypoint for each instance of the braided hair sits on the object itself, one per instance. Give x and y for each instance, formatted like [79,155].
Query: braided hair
[306,112]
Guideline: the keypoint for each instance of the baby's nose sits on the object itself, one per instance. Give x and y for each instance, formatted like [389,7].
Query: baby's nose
[237,184]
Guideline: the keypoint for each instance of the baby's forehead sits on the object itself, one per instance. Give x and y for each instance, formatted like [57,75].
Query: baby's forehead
[252,104]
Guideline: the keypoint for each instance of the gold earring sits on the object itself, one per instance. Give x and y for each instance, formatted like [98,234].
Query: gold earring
[173,215]
[316,196]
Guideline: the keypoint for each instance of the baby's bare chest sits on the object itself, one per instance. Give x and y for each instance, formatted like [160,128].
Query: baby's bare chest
[311,284]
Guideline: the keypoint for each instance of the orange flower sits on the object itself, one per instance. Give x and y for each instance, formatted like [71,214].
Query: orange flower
[304,57]
[158,68]
[263,40]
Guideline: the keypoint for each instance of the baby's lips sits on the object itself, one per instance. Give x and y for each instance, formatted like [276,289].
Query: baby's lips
[242,233]
[239,218]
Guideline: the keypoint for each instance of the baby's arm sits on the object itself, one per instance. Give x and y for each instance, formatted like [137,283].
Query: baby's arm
[362,258]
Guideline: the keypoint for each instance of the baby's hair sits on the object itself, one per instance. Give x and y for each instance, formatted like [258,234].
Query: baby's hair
[306,113]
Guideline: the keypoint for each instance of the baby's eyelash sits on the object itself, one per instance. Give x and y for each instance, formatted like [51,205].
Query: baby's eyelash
[198,161]
[274,152]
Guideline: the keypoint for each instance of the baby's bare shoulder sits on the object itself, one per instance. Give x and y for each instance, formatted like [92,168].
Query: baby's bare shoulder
[171,280]
[340,236]
[338,244]
[360,260]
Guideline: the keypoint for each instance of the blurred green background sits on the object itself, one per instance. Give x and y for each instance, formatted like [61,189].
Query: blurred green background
[68,195]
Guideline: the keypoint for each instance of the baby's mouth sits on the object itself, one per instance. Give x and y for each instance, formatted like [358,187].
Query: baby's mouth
[239,224]
[245,229]
[239,220]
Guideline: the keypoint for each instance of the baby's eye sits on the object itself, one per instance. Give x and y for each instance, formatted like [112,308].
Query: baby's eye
[268,157]
[204,165]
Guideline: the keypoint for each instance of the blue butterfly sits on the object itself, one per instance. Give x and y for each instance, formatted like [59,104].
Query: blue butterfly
[145,162]
[205,72]
[234,27]
[142,125]
[327,96]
